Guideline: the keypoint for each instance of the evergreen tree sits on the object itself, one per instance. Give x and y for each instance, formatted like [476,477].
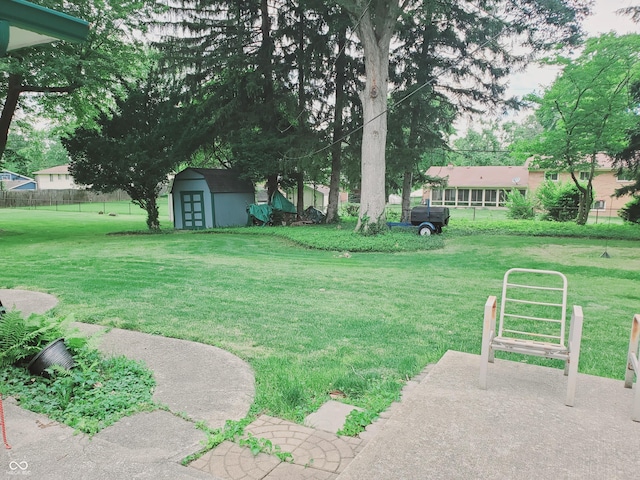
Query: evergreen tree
[137,144]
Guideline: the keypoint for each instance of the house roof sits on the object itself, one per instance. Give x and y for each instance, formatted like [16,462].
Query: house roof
[483,177]
[59,169]
[605,162]
[15,180]
[221,180]
[16,184]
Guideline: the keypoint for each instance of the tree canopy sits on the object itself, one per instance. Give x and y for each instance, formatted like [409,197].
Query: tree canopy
[588,110]
[136,146]
[74,82]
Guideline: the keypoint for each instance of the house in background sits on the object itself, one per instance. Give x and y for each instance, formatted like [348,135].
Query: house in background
[605,182]
[209,198]
[15,181]
[56,178]
[488,186]
[316,196]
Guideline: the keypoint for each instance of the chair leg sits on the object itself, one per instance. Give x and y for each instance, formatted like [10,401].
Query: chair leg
[633,367]
[574,353]
[633,352]
[488,332]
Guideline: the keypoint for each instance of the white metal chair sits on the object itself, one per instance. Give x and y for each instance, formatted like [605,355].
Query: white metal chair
[633,366]
[533,322]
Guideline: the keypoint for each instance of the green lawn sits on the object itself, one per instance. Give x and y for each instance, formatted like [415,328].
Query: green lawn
[309,320]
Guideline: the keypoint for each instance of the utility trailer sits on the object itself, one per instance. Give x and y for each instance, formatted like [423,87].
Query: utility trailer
[426,219]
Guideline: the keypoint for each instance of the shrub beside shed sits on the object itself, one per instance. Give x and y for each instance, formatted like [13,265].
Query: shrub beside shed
[209,198]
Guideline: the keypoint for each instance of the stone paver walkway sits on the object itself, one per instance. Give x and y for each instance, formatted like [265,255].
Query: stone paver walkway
[316,454]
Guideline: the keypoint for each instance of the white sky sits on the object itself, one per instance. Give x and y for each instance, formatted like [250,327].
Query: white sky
[536,78]
[603,20]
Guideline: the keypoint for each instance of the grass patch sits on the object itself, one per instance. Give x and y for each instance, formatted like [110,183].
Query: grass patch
[310,318]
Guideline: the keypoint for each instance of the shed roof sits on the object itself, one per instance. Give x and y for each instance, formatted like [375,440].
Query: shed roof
[483,177]
[222,180]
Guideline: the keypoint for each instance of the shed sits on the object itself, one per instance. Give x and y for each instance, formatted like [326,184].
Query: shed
[209,198]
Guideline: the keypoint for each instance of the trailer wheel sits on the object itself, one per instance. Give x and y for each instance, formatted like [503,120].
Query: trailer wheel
[424,231]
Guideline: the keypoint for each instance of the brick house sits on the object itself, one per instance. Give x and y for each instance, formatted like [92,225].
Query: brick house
[488,186]
[605,182]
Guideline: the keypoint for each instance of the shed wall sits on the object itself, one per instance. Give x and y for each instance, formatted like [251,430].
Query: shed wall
[231,209]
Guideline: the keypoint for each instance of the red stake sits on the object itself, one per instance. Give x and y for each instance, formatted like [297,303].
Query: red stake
[4,432]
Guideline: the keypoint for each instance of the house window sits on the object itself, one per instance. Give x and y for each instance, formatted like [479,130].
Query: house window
[463,196]
[552,176]
[450,196]
[523,193]
[476,197]
[51,177]
[624,176]
[584,176]
[599,205]
[503,197]
[436,196]
[490,197]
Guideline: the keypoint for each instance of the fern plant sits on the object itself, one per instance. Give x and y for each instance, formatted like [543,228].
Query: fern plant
[22,338]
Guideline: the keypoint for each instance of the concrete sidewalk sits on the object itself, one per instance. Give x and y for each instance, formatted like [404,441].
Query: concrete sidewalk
[448,428]
[201,382]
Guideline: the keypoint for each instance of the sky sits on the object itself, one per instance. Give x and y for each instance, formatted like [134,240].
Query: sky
[535,78]
[603,20]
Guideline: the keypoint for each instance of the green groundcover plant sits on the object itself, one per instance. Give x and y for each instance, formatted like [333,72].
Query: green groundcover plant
[93,394]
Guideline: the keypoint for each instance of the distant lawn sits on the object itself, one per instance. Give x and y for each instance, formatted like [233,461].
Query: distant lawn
[305,308]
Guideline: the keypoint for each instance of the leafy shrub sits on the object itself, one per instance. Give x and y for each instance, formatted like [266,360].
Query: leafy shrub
[351,209]
[631,211]
[559,200]
[519,206]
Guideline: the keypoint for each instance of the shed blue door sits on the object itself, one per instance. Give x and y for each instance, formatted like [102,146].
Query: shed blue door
[193,210]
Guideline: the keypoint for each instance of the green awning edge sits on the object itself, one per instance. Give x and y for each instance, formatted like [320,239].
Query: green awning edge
[44,21]
[4,37]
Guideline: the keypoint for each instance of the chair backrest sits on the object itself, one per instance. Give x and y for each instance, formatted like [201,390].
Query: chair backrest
[534,306]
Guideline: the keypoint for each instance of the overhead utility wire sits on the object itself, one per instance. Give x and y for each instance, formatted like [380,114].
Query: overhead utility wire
[336,59]
[424,85]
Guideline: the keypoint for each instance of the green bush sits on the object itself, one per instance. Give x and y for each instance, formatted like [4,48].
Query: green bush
[520,207]
[559,201]
[631,211]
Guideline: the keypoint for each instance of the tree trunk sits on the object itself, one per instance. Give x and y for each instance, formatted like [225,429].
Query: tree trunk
[336,149]
[584,206]
[272,186]
[300,193]
[14,88]
[407,181]
[375,39]
[153,221]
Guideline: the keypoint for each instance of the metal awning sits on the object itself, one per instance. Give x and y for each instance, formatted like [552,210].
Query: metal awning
[24,24]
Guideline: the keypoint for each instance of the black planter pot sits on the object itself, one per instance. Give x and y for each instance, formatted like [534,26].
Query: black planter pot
[54,353]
